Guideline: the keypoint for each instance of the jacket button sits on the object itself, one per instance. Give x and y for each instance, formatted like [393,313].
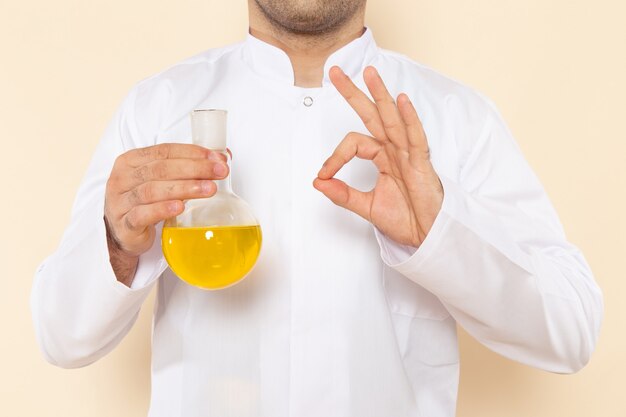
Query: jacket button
[308,101]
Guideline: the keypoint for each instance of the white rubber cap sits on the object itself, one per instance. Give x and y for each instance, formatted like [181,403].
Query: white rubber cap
[208,128]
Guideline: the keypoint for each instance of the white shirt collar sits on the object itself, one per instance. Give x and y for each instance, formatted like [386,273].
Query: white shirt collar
[272,62]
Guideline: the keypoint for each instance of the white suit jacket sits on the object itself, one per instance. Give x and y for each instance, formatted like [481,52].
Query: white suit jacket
[336,319]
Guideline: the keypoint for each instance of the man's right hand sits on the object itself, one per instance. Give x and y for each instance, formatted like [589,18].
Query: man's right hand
[148,185]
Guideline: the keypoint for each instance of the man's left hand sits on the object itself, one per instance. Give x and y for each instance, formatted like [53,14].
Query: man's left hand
[408,193]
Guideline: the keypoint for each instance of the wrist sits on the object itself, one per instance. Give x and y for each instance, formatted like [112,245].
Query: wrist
[123,264]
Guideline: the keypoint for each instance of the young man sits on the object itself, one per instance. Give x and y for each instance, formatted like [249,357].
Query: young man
[348,312]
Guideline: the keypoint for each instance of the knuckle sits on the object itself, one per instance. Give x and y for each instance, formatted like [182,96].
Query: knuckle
[111,184]
[369,119]
[391,124]
[159,170]
[389,99]
[144,152]
[147,193]
[163,151]
[134,196]
[354,140]
[170,191]
[349,140]
[201,152]
[129,222]
[141,173]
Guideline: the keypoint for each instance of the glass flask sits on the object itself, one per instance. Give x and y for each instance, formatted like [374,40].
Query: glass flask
[216,241]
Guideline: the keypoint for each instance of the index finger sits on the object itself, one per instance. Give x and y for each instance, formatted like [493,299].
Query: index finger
[359,101]
[354,144]
[141,156]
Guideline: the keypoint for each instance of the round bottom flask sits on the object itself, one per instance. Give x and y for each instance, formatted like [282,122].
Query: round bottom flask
[216,241]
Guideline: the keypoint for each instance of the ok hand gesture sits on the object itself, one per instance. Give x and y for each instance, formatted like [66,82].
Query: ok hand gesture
[408,193]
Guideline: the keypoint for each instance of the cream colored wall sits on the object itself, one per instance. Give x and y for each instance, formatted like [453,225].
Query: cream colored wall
[556,69]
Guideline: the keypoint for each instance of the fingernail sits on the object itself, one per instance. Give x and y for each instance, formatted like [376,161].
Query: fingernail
[206,187]
[173,206]
[214,156]
[219,170]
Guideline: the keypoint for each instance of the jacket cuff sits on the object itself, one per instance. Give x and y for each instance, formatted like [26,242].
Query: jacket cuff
[403,257]
[150,267]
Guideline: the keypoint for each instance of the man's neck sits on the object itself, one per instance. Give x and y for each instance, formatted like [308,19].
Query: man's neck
[307,53]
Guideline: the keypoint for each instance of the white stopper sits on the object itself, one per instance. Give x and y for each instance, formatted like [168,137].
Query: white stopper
[208,128]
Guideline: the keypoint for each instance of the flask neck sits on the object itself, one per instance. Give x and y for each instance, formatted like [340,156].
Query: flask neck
[224,185]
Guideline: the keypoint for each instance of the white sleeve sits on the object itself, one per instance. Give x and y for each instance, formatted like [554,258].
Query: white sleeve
[498,259]
[80,310]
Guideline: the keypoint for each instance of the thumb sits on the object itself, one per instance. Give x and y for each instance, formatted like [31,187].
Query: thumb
[345,196]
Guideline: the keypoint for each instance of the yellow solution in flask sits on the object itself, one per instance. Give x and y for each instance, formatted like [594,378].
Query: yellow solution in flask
[211,257]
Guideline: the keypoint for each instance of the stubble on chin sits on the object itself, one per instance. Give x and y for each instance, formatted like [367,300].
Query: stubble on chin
[309,18]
